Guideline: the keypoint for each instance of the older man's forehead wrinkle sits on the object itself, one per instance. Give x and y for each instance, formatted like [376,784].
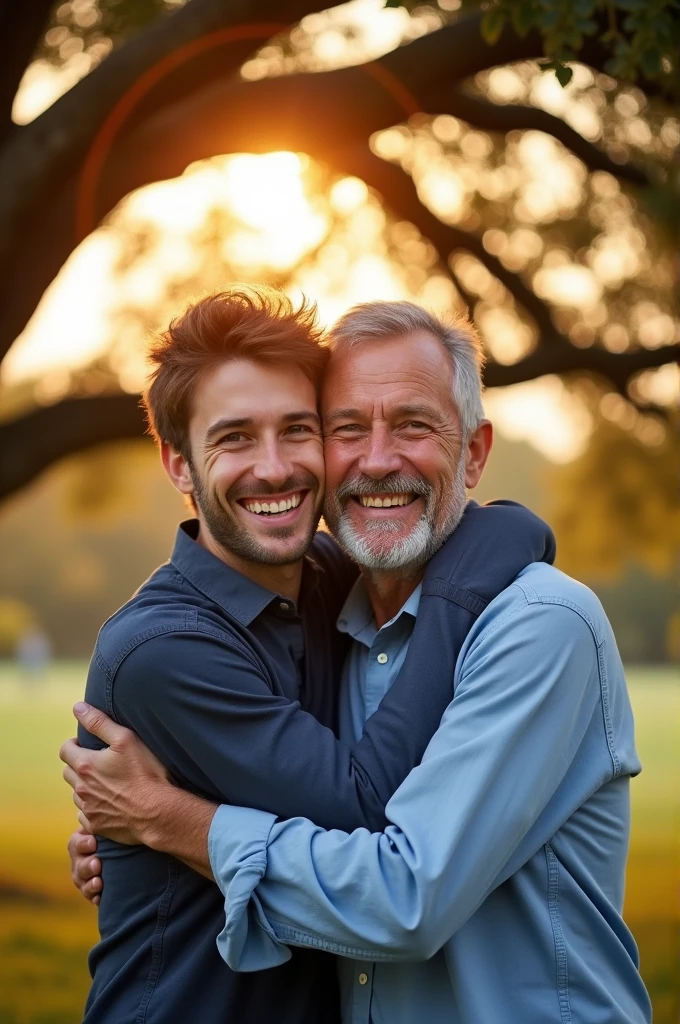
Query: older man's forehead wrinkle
[394,375]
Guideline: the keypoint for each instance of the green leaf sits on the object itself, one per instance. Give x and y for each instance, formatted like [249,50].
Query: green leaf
[563,74]
[650,62]
[523,18]
[492,25]
[549,19]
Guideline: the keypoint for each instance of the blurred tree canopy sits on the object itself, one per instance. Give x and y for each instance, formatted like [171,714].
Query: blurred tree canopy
[550,215]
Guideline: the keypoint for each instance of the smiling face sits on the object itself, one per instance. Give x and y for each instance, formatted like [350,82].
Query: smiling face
[396,460]
[256,472]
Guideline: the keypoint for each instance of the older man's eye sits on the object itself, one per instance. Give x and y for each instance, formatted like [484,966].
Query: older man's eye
[348,428]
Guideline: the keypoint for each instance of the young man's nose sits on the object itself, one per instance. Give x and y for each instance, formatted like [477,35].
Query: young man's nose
[273,466]
[380,457]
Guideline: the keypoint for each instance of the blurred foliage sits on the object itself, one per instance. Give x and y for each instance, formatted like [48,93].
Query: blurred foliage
[642,36]
[15,618]
[618,503]
[86,30]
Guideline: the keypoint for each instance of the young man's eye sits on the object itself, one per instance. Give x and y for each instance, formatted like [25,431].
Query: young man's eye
[234,438]
[299,428]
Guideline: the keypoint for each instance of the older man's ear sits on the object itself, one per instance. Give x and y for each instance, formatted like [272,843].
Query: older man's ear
[477,453]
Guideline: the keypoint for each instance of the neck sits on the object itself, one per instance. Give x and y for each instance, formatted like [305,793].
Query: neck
[280,579]
[387,592]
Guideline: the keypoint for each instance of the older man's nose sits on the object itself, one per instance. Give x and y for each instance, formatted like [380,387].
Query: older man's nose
[380,457]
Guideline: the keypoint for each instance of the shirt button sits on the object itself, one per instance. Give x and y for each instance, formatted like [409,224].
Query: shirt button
[284,606]
[382,659]
[363,978]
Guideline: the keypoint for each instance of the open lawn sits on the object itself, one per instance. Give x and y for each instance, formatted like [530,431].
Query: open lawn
[46,929]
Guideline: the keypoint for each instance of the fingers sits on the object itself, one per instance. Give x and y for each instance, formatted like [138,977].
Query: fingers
[85,869]
[73,754]
[92,891]
[99,724]
[84,844]
[84,822]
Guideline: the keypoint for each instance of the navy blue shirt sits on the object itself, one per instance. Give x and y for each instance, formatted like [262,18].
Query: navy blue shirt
[235,689]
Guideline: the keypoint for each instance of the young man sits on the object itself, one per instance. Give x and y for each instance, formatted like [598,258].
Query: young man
[209,661]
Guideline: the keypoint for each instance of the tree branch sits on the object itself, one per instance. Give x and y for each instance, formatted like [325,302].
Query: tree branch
[508,117]
[615,367]
[35,441]
[341,109]
[38,159]
[400,194]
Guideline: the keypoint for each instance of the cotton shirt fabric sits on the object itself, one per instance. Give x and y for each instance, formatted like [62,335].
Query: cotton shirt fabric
[495,895]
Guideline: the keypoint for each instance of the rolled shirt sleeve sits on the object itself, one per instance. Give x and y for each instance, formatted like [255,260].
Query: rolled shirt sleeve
[503,772]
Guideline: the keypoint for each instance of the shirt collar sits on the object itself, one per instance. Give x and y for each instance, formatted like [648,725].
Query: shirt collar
[356,617]
[241,597]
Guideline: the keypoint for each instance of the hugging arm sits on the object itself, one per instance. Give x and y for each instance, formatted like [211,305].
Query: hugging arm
[248,747]
[479,806]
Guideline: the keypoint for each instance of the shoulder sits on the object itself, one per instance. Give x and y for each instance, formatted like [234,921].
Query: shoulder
[166,618]
[544,597]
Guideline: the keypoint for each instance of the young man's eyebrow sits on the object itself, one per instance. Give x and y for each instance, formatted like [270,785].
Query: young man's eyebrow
[226,424]
[247,421]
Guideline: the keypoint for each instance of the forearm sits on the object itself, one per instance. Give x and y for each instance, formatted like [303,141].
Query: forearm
[464,820]
[180,827]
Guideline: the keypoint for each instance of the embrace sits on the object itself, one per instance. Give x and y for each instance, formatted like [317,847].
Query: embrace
[377,779]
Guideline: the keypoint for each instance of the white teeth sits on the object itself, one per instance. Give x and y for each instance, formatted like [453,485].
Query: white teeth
[274,506]
[395,499]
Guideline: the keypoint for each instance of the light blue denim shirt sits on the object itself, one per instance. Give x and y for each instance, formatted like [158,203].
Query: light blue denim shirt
[495,895]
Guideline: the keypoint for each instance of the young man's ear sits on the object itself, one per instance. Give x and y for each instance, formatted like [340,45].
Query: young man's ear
[177,468]
[477,453]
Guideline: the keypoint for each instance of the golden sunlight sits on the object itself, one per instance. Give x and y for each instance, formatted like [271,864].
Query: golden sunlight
[276,217]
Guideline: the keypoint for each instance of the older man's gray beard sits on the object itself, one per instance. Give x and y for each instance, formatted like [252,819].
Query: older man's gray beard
[409,554]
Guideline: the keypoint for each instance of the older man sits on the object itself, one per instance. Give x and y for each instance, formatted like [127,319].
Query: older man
[494,895]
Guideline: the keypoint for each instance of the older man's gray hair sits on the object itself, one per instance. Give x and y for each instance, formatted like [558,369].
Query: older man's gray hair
[372,321]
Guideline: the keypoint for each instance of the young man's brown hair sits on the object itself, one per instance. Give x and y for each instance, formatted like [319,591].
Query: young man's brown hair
[254,323]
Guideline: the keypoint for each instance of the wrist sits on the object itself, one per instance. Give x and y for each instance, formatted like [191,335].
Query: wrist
[162,821]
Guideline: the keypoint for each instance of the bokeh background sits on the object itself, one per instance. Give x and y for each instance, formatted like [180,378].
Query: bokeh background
[152,150]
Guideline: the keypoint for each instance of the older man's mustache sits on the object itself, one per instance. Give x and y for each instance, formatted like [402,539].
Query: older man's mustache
[394,483]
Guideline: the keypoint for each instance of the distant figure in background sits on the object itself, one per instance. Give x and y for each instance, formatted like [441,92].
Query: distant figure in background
[34,653]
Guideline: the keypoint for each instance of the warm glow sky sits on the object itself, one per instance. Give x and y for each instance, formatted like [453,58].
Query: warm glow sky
[277,221]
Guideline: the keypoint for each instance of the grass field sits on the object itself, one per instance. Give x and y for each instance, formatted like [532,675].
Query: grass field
[46,929]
